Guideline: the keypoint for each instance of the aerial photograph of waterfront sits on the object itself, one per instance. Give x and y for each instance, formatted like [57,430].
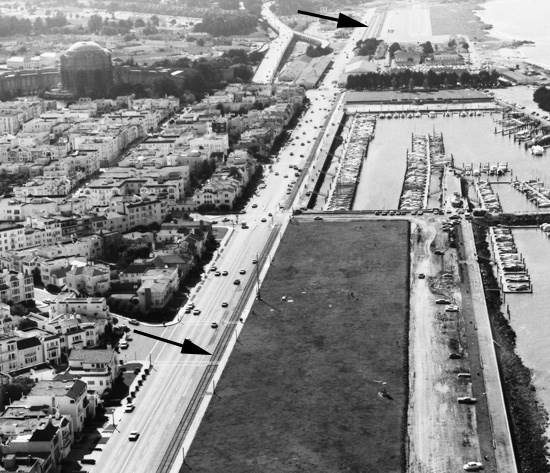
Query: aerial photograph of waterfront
[262,236]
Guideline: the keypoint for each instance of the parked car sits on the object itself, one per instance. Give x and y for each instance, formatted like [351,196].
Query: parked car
[442,301]
[129,407]
[197,312]
[455,356]
[473,466]
[123,344]
[467,400]
[133,322]
[451,308]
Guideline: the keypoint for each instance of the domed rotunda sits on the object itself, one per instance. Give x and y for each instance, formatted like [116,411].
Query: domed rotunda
[87,70]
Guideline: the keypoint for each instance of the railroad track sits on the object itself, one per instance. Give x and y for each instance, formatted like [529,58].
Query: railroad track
[185,423]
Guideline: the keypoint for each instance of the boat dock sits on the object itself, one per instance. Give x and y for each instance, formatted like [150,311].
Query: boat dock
[513,274]
[414,193]
[535,191]
[361,132]
[489,200]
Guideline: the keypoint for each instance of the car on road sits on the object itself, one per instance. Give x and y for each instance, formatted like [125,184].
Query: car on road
[276,173]
[242,271]
[264,219]
[224,304]
[129,407]
[214,325]
[254,261]
[47,301]
[451,308]
[134,435]
[224,273]
[254,206]
[443,301]
[123,344]
[213,268]
[237,282]
[318,218]
[197,312]
[421,276]
[133,322]
[473,466]
[438,252]
[455,356]
[286,175]
[226,219]
[244,227]
[217,273]
[466,400]
[270,214]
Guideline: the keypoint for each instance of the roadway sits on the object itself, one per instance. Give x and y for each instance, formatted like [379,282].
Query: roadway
[265,74]
[164,397]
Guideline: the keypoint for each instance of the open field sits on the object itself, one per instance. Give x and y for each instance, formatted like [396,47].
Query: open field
[302,389]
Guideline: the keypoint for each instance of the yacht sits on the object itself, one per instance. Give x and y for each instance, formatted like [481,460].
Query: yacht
[537,150]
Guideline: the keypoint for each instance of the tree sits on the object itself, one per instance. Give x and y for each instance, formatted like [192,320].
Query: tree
[425,84]
[95,23]
[200,42]
[394,47]
[37,278]
[427,48]
[154,20]
[452,43]
[139,23]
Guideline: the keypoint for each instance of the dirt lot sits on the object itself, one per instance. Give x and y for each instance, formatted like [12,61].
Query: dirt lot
[303,391]
[443,434]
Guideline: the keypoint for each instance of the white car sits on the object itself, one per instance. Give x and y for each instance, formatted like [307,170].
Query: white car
[129,407]
[451,308]
[134,435]
[473,466]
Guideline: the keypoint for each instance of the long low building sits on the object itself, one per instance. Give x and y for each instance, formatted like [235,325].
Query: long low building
[390,96]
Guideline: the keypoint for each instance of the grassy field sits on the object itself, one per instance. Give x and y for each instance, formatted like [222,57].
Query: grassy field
[301,390]
[457,18]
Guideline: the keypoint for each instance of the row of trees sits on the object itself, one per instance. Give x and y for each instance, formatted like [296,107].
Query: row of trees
[12,25]
[221,24]
[410,79]
[542,97]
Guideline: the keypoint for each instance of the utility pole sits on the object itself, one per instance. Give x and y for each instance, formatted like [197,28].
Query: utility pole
[259,295]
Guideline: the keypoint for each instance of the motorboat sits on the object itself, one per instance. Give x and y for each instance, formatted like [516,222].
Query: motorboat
[537,150]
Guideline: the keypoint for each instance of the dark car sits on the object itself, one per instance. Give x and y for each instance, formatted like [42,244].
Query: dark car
[133,322]
[237,282]
[455,356]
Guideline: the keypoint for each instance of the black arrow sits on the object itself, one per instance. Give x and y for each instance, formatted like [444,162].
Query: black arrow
[187,347]
[343,21]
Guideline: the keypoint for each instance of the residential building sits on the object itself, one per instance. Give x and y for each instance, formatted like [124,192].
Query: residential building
[92,279]
[98,368]
[157,287]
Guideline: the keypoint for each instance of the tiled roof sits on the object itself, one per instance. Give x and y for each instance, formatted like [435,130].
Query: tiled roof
[77,389]
[45,434]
